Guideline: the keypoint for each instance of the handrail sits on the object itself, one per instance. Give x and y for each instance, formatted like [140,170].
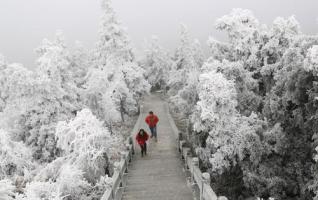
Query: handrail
[121,167]
[202,180]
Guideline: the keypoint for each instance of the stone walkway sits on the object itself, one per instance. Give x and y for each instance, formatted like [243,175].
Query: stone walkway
[159,175]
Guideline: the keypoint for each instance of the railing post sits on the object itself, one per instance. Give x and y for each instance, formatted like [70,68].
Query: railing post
[181,144]
[206,182]
[186,157]
[132,144]
[129,155]
[195,163]
[113,194]
[123,158]
[180,136]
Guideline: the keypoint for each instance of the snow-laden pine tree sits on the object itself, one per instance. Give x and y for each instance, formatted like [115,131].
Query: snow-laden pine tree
[157,63]
[113,57]
[80,63]
[15,157]
[185,62]
[184,77]
[242,29]
[113,45]
[55,64]
[11,74]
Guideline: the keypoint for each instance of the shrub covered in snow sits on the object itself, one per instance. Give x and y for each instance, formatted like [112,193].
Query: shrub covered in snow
[6,190]
[15,157]
[88,144]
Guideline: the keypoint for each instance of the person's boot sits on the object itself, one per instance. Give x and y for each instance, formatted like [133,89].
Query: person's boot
[142,154]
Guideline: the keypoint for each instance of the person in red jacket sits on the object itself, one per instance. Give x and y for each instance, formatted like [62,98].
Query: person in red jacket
[152,121]
[141,137]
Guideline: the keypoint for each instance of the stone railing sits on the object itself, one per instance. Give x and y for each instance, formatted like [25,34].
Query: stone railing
[121,168]
[199,179]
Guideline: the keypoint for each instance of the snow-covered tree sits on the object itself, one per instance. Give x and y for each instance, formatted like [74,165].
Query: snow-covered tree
[185,62]
[219,50]
[184,75]
[245,84]
[217,101]
[114,59]
[36,105]
[88,152]
[133,75]
[311,62]
[198,53]
[88,144]
[157,64]
[15,157]
[113,44]
[54,63]
[242,29]
[185,52]
[122,96]
[114,84]
[80,63]
[6,190]
[13,79]
[96,86]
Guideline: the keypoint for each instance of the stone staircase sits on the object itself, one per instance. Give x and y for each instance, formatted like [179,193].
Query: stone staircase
[159,175]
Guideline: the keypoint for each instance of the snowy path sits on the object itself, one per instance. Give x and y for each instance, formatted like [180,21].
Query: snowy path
[159,175]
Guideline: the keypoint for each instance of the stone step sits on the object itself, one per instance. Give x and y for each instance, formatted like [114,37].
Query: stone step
[164,183]
[163,177]
[183,197]
[158,195]
[169,188]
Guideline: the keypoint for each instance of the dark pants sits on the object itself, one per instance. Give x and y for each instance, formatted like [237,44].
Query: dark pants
[143,149]
[153,131]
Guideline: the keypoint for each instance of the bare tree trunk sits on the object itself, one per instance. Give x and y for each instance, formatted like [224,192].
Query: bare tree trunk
[110,127]
[122,110]
[138,107]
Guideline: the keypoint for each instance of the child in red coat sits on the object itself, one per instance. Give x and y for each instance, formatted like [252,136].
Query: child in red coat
[141,137]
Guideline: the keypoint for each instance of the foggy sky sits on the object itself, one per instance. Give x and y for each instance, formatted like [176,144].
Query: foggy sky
[24,23]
